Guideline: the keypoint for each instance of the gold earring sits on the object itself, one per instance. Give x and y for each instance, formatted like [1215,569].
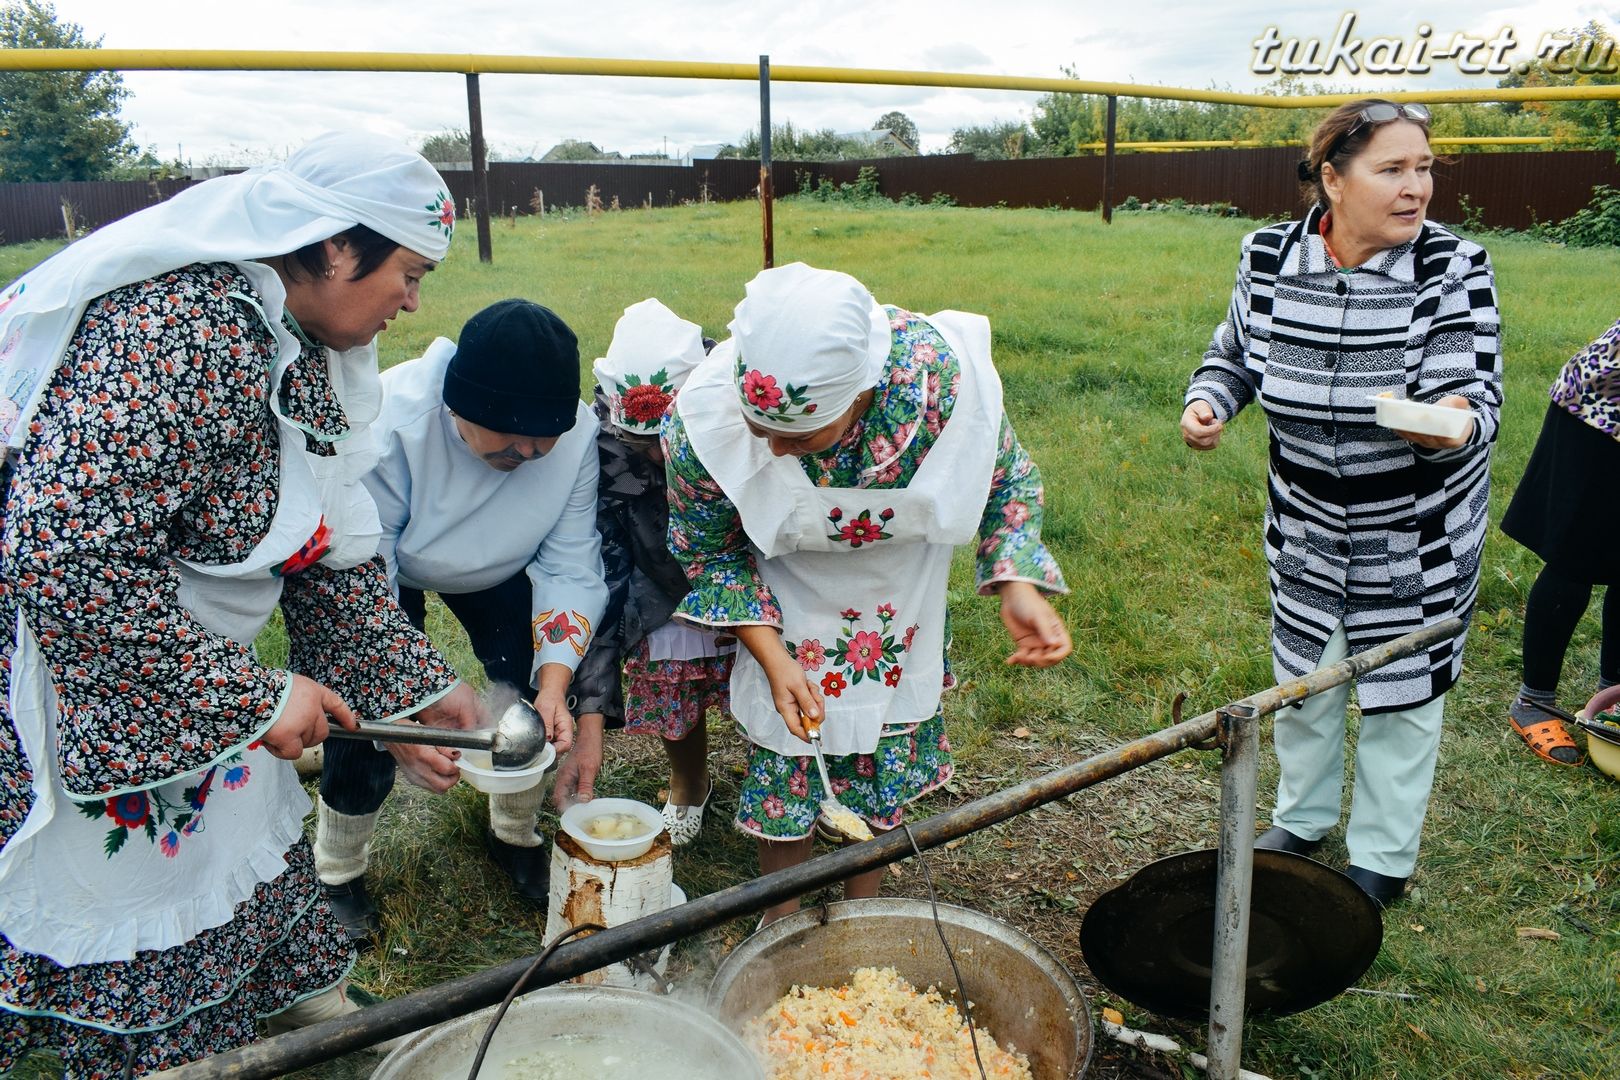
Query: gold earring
[331,272]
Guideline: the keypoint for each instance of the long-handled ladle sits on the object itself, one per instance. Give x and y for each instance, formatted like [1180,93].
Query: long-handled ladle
[516,742]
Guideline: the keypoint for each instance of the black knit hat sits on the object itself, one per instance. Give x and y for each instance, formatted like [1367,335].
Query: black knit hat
[516,371]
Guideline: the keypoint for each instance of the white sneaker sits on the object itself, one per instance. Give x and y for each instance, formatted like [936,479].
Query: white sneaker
[685,822]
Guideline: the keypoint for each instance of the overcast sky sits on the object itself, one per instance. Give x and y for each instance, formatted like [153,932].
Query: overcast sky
[227,116]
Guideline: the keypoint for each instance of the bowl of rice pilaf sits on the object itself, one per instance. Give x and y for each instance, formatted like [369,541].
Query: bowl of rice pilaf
[877,1024]
[864,990]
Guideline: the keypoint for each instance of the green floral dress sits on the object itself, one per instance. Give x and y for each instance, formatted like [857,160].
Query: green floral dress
[913,403]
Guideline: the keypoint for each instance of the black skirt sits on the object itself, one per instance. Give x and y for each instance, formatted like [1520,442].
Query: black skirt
[1567,507]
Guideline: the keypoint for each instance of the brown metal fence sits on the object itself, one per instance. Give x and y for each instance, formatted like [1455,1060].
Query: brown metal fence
[1507,190]
[39,211]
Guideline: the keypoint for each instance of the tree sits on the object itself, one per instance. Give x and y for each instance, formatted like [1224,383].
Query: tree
[789,143]
[450,146]
[998,140]
[57,125]
[1591,58]
[899,125]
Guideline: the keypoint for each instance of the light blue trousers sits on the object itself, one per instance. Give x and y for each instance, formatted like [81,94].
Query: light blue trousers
[1395,756]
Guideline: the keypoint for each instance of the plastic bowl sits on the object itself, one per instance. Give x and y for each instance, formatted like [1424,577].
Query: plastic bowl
[478,771]
[1399,414]
[575,818]
[1603,748]
[1602,741]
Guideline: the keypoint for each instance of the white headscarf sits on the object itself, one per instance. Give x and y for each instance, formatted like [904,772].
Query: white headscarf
[808,343]
[652,353]
[336,181]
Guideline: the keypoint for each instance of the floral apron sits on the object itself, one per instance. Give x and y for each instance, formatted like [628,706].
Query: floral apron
[96,880]
[860,573]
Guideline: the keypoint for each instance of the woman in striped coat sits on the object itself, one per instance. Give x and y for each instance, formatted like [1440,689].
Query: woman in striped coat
[1370,533]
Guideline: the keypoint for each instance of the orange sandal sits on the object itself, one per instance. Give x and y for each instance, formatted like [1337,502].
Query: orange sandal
[1546,736]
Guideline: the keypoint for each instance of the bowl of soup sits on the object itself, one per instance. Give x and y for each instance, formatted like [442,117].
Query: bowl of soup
[578,1033]
[613,830]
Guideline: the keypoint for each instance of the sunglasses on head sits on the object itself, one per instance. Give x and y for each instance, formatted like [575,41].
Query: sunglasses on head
[1381,113]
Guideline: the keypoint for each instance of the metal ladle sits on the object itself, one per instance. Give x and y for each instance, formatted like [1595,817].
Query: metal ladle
[516,742]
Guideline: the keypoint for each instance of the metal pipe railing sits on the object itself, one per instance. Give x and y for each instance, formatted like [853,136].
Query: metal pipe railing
[457,997]
[475,63]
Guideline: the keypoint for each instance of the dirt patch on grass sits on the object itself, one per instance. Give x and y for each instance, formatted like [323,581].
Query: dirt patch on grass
[1039,871]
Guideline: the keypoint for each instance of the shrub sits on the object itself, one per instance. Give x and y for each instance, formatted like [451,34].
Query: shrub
[1598,225]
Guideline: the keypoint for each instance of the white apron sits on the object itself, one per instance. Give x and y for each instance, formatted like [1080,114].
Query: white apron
[85,889]
[860,573]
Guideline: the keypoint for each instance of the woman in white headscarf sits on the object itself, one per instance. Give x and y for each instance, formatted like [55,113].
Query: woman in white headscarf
[186,397]
[823,465]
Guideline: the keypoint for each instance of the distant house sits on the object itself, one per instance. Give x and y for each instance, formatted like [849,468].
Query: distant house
[885,141]
[580,150]
[703,152]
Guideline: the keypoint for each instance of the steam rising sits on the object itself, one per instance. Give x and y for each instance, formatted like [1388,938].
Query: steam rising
[495,700]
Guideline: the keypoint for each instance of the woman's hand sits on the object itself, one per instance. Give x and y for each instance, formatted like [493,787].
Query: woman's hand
[1442,442]
[1039,637]
[795,695]
[460,708]
[303,722]
[434,767]
[576,776]
[1200,427]
[552,705]
[430,767]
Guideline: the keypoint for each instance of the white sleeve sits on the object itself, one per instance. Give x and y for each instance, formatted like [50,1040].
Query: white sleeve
[570,593]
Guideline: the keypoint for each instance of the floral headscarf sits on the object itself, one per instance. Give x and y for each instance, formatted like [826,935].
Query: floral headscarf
[808,342]
[652,353]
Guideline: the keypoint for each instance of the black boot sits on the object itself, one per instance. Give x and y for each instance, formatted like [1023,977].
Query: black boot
[1278,838]
[528,867]
[353,906]
[1384,890]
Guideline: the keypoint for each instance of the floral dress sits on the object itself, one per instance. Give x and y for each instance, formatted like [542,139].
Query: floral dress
[913,403]
[154,443]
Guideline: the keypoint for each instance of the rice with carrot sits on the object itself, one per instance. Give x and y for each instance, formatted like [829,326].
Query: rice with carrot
[876,1027]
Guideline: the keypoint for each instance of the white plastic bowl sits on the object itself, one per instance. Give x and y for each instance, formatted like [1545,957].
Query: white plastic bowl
[575,818]
[1399,414]
[477,770]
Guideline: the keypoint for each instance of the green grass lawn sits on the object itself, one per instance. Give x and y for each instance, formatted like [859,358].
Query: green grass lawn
[1096,330]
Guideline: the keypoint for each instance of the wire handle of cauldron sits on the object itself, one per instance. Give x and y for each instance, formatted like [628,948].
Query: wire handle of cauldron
[961,988]
[517,988]
[646,963]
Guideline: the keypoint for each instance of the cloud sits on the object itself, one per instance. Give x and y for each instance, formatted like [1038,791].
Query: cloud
[957,56]
[209,113]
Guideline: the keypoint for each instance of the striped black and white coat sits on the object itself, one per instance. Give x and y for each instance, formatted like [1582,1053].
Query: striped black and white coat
[1362,527]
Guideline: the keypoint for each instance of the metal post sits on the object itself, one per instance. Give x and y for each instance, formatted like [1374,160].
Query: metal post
[1234,881]
[765,194]
[1108,163]
[480,168]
